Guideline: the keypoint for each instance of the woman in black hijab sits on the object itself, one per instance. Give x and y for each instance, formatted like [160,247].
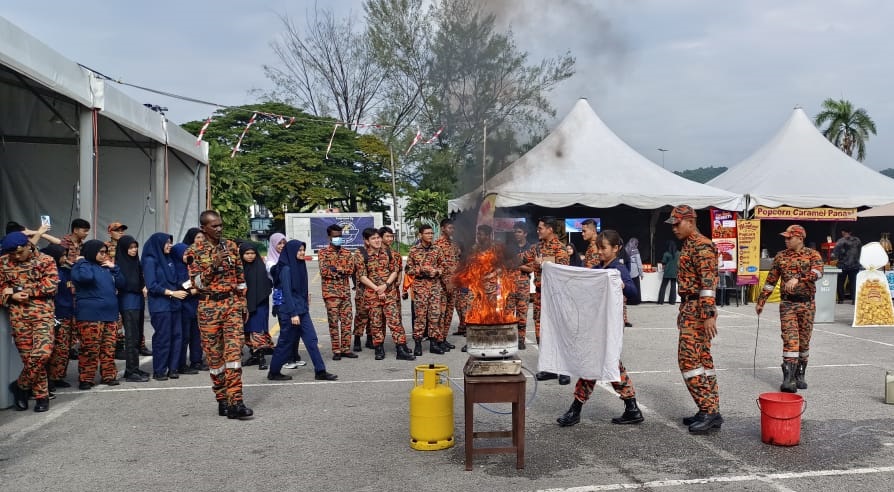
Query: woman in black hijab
[290,275]
[257,296]
[130,303]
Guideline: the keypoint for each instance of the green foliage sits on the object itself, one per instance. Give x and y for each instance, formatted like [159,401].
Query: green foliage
[230,191]
[426,204]
[286,169]
[702,174]
[848,128]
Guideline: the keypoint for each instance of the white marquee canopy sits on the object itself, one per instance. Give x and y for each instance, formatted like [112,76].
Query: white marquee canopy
[583,162]
[799,167]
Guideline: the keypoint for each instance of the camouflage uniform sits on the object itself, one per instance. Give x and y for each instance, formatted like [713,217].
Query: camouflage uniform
[518,300]
[377,267]
[221,311]
[554,248]
[64,329]
[452,297]
[361,314]
[31,321]
[797,308]
[396,313]
[427,290]
[72,250]
[335,268]
[697,279]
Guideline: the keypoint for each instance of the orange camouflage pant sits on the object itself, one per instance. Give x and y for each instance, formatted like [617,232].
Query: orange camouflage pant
[694,358]
[382,313]
[97,349]
[450,301]
[361,315]
[624,388]
[34,340]
[518,305]
[797,327]
[220,326]
[338,313]
[537,316]
[62,341]
[427,297]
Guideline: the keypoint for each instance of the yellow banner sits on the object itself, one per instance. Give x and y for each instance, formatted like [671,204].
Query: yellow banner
[792,213]
[748,234]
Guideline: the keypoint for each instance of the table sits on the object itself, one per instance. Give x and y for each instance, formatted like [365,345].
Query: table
[649,286]
[495,389]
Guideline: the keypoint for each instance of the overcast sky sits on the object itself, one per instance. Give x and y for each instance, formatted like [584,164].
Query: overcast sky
[709,81]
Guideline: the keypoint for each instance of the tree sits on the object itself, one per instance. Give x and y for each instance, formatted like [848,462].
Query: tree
[287,168]
[702,174]
[430,206]
[848,129]
[230,191]
[329,63]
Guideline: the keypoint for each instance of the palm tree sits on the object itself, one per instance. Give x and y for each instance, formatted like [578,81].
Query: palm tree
[848,128]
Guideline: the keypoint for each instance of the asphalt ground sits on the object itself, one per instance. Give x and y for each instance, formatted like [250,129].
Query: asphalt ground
[353,434]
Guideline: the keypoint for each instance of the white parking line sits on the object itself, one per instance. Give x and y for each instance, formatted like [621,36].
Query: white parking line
[761,477]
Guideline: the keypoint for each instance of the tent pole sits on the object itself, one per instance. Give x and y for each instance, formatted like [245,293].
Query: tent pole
[85,167]
[484,163]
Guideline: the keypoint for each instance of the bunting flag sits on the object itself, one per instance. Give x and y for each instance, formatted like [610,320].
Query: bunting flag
[251,121]
[486,210]
[202,131]
[329,147]
[415,141]
[435,136]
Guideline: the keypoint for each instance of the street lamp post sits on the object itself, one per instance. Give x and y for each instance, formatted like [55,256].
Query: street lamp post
[662,155]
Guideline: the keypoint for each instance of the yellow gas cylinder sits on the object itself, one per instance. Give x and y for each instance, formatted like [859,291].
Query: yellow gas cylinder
[431,409]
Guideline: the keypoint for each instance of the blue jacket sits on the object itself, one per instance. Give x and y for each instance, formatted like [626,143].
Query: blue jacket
[128,301]
[64,300]
[293,304]
[160,274]
[630,290]
[95,291]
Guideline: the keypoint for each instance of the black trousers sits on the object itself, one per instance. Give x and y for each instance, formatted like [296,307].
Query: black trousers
[673,290]
[133,330]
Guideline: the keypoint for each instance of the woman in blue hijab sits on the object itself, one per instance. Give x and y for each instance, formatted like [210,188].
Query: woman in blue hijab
[290,275]
[165,295]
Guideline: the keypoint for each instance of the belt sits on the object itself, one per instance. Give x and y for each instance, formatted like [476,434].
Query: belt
[796,298]
[215,296]
[690,297]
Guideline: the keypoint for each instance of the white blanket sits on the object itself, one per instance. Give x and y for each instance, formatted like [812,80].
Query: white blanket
[581,322]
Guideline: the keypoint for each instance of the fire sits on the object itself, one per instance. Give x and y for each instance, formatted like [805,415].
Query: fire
[491,282]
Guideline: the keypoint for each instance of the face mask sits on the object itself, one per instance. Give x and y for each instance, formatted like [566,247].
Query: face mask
[337,241]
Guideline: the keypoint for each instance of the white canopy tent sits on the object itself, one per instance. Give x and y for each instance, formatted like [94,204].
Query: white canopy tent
[74,146]
[583,162]
[799,167]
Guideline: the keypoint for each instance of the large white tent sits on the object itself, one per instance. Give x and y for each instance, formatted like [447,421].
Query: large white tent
[76,146]
[583,162]
[799,167]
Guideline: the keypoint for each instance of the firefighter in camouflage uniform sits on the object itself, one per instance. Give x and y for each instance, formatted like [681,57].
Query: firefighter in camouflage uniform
[336,267]
[697,322]
[28,282]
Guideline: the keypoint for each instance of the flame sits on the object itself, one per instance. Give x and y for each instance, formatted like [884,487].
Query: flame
[491,282]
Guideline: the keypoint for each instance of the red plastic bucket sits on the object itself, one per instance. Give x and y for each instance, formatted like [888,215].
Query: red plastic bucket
[781,418]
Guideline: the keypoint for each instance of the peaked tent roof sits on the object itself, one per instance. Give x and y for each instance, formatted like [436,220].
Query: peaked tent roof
[583,162]
[798,167]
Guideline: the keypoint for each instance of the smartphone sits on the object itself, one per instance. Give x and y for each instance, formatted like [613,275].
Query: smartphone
[45,220]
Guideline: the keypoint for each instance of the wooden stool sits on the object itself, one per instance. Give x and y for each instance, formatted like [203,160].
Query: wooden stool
[496,389]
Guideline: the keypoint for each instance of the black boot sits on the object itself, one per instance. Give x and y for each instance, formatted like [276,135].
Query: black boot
[403,353]
[799,377]
[222,408]
[262,360]
[417,348]
[521,343]
[380,352]
[369,342]
[252,359]
[434,347]
[447,346]
[19,395]
[631,414]
[789,369]
[41,404]
[239,411]
[572,416]
[357,347]
[544,376]
[687,421]
[706,422]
